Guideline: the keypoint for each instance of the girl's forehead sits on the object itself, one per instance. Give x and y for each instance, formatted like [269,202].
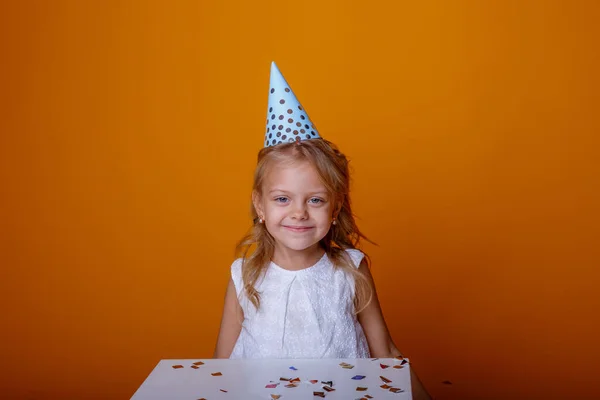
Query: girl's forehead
[292,174]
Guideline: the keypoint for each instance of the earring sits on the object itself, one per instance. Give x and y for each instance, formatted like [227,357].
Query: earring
[260,220]
[334,222]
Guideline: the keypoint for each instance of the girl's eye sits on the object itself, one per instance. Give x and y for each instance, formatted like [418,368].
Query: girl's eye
[315,200]
[281,199]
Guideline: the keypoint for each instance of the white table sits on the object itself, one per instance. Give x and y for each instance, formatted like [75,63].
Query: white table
[247,379]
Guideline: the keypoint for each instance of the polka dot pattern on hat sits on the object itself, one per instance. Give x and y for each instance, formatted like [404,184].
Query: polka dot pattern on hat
[285,109]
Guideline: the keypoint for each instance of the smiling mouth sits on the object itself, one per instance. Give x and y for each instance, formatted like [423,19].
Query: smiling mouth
[298,228]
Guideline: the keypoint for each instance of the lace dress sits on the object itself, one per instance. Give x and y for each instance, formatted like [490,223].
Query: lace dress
[302,314]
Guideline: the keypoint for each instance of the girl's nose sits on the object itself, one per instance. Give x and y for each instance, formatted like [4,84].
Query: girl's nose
[300,211]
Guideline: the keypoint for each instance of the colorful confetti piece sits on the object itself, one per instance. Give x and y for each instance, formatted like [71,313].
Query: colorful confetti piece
[361,389]
[177,366]
[383,366]
[386,387]
[198,363]
[275,396]
[328,388]
[223,390]
[319,394]
[396,390]
[217,374]
[384,379]
[294,368]
[271,386]
[195,366]
[398,366]
[313,381]
[358,377]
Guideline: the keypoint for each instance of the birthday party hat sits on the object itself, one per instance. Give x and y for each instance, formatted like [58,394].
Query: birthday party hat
[287,121]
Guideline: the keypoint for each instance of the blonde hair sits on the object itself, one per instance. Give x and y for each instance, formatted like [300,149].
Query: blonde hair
[332,167]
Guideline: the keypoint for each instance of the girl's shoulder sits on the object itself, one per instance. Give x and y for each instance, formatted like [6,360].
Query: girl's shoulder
[356,256]
[236,274]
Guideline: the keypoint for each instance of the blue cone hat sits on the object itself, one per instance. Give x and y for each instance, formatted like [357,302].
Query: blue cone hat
[287,121]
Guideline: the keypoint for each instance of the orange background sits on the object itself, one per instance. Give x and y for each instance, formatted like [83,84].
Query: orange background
[129,132]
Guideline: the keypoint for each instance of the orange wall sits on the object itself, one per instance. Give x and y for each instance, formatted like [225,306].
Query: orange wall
[129,131]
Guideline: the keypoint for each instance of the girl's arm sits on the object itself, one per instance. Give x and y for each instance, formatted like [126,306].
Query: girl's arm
[231,323]
[380,342]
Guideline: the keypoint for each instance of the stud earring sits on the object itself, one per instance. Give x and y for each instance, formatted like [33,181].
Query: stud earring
[260,220]
[334,222]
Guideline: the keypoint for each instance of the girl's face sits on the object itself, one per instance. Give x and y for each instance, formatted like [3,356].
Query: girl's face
[295,205]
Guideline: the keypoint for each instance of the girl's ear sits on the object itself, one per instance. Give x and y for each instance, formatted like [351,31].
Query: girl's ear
[257,202]
[338,208]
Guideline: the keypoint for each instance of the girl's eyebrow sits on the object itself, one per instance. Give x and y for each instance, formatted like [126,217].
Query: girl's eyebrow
[323,193]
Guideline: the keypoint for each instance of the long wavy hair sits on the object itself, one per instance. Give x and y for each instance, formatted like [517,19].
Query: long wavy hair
[257,247]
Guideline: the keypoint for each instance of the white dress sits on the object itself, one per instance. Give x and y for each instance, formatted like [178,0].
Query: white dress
[303,314]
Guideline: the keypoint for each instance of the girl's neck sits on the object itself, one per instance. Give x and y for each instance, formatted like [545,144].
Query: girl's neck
[295,260]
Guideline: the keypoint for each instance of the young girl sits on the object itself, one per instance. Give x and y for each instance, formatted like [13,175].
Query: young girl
[301,288]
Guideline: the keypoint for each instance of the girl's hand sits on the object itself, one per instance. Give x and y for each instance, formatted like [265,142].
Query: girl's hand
[231,323]
[378,336]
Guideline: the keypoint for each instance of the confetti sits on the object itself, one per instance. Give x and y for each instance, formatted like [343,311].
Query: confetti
[319,394]
[275,396]
[358,377]
[195,366]
[361,389]
[369,397]
[328,383]
[217,374]
[314,381]
[398,366]
[223,390]
[198,363]
[293,368]
[383,366]
[404,362]
[386,387]
[294,380]
[348,366]
[386,380]
[328,388]
[291,385]
[396,390]
[177,366]
[271,386]
[284,379]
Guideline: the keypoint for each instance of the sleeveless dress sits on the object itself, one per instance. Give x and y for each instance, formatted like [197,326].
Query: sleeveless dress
[303,314]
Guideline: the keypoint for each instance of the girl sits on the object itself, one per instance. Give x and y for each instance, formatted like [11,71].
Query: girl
[301,288]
